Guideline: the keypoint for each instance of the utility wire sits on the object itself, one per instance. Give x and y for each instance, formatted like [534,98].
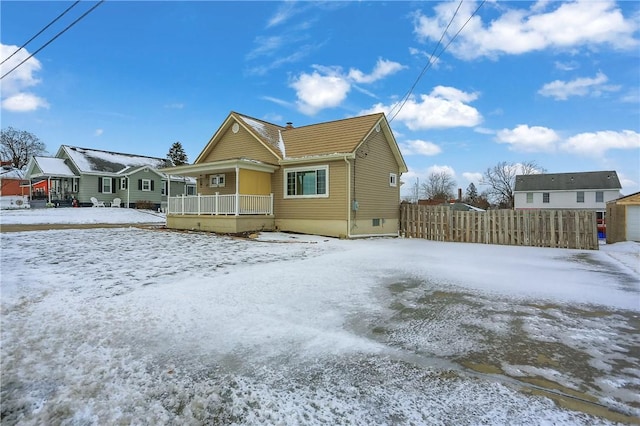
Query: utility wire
[426,67]
[55,37]
[40,32]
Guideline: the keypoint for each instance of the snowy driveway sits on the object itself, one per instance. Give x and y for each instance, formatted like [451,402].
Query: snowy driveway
[128,325]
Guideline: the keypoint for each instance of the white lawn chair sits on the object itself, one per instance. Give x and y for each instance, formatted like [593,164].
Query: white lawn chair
[97,203]
[116,202]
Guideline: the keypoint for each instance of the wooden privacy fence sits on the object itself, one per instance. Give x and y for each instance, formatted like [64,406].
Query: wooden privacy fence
[575,229]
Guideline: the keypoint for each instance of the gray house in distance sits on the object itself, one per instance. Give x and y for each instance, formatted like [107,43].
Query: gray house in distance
[82,173]
[576,191]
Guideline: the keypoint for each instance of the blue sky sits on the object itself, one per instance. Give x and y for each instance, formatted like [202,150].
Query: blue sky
[557,83]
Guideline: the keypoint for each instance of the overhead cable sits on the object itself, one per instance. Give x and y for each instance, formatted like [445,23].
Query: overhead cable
[55,37]
[40,32]
[431,58]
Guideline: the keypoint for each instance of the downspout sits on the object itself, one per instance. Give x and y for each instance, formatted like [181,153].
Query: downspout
[169,192]
[348,197]
[128,189]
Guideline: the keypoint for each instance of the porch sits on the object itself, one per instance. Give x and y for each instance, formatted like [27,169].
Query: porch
[218,204]
[231,214]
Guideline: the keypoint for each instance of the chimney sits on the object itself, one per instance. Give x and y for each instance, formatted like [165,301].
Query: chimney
[460,194]
[289,125]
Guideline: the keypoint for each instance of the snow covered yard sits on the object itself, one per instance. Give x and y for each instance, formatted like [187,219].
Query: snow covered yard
[126,325]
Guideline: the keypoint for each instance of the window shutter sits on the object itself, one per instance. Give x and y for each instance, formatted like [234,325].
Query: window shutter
[113,185]
[151,184]
[140,184]
[99,184]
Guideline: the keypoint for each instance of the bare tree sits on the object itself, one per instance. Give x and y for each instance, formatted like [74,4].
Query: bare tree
[19,146]
[501,180]
[439,186]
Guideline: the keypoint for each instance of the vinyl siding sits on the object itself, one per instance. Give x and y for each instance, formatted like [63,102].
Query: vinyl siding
[565,200]
[240,145]
[373,163]
[228,188]
[329,208]
[135,194]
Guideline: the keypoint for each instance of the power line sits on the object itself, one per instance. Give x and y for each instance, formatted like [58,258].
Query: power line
[40,32]
[430,62]
[55,37]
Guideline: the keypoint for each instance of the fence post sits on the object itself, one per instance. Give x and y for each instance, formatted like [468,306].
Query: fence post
[215,203]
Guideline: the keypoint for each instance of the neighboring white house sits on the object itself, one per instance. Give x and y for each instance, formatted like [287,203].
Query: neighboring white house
[577,191]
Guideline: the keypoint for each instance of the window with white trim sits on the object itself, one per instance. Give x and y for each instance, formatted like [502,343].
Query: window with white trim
[106,185]
[580,197]
[123,183]
[545,197]
[599,196]
[307,182]
[164,187]
[146,184]
[529,197]
[75,185]
[393,179]
[217,181]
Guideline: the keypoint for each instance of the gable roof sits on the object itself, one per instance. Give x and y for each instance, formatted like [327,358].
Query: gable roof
[89,160]
[568,181]
[48,166]
[333,137]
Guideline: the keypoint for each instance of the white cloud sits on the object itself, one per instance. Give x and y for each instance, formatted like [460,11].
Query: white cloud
[566,66]
[382,69]
[516,31]
[316,91]
[285,11]
[444,107]
[327,87]
[596,144]
[13,88]
[98,132]
[474,177]
[24,102]
[420,147]
[440,169]
[529,139]
[561,90]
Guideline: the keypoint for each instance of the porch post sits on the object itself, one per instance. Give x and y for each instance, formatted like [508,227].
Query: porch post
[198,201]
[168,191]
[49,188]
[215,207]
[271,203]
[237,190]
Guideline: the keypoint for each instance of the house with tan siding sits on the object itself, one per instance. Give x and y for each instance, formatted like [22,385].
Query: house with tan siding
[339,178]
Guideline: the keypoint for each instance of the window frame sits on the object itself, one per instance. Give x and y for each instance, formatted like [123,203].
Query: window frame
[580,197]
[529,197]
[123,183]
[546,197]
[148,182]
[601,194]
[393,180]
[104,185]
[217,181]
[296,170]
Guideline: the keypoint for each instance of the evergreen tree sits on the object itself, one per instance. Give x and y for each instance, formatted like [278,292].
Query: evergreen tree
[177,154]
[471,194]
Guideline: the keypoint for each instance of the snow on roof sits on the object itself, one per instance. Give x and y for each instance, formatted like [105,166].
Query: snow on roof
[93,160]
[51,166]
[187,179]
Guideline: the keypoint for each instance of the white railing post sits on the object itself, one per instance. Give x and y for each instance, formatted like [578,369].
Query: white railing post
[237,204]
[270,203]
[182,204]
[215,204]
[198,204]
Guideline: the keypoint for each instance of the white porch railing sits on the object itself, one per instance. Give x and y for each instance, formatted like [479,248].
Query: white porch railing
[234,204]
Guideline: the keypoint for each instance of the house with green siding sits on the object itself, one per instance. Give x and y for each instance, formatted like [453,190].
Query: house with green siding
[79,174]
